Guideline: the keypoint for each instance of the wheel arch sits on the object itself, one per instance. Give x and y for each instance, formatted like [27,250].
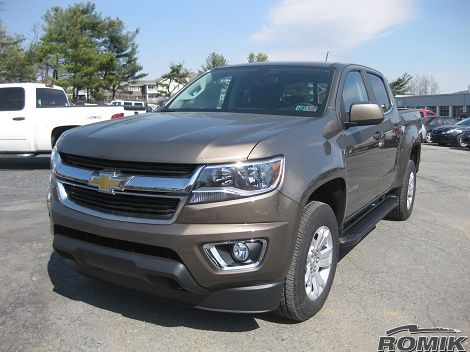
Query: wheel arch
[415,155]
[57,132]
[331,191]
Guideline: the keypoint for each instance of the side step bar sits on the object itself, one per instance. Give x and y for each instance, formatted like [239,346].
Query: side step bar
[355,232]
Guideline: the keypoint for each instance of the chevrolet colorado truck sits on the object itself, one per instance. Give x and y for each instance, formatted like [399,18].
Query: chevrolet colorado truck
[238,194]
[33,116]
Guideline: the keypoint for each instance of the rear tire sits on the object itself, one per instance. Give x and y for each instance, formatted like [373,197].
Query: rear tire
[405,194]
[313,265]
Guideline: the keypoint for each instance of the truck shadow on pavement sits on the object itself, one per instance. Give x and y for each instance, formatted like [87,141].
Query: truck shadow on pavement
[41,162]
[135,305]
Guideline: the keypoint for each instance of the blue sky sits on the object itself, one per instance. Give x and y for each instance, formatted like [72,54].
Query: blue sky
[394,36]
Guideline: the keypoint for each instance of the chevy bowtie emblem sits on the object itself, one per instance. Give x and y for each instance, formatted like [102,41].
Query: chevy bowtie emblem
[108,181]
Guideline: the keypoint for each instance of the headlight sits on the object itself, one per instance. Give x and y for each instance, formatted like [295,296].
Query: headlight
[239,180]
[455,130]
[54,155]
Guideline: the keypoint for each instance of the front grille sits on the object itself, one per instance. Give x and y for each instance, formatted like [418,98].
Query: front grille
[128,205]
[108,242]
[129,167]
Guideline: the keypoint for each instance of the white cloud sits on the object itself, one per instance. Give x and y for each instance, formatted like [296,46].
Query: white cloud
[307,29]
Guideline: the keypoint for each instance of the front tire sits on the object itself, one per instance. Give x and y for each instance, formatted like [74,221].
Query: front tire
[428,137]
[405,194]
[313,265]
[461,143]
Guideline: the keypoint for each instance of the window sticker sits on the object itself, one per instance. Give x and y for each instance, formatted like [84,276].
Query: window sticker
[321,92]
[305,107]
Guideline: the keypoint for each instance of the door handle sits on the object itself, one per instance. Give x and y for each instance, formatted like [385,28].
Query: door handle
[18,119]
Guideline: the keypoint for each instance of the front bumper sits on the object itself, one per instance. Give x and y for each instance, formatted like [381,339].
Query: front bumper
[188,276]
[444,138]
[163,277]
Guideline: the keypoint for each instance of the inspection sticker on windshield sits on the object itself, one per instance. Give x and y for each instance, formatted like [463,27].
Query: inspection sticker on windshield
[306,107]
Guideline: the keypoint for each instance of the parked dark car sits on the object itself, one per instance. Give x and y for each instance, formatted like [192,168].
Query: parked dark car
[451,134]
[436,121]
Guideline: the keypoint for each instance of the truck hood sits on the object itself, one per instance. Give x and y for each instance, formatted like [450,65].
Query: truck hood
[183,137]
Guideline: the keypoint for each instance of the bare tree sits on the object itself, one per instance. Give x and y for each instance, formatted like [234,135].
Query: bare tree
[424,85]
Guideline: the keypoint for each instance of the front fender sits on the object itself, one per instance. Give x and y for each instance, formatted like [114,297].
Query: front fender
[410,139]
[322,179]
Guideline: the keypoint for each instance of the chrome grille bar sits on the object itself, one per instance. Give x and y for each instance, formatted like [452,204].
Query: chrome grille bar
[137,185]
[171,185]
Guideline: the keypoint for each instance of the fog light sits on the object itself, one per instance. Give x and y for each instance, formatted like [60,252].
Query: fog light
[236,255]
[240,252]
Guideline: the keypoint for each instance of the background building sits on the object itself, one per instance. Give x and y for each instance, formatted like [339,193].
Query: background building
[454,104]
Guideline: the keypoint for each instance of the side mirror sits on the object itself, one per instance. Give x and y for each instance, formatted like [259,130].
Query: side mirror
[365,114]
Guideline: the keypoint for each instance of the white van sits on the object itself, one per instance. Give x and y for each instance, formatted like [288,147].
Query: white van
[128,103]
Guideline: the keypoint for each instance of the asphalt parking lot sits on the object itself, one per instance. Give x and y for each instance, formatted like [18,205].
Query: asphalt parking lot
[414,272]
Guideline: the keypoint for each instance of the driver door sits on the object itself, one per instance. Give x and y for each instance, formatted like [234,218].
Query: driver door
[361,147]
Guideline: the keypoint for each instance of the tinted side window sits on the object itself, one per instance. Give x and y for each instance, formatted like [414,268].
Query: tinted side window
[380,91]
[50,98]
[354,90]
[11,99]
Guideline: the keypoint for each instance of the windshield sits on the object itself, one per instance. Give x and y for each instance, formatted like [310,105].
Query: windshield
[465,122]
[262,89]
[430,119]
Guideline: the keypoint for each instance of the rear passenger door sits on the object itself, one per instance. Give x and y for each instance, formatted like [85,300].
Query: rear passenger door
[361,146]
[390,131]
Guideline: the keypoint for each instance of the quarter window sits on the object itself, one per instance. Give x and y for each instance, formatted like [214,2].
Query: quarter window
[381,94]
[354,90]
[50,98]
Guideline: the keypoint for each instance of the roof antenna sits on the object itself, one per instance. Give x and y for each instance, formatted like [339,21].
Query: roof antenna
[326,58]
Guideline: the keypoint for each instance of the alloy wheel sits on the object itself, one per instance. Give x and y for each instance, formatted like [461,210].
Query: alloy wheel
[428,137]
[318,263]
[461,143]
[411,190]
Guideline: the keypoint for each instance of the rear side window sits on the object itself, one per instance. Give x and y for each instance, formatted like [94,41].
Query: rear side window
[380,91]
[354,90]
[11,99]
[50,98]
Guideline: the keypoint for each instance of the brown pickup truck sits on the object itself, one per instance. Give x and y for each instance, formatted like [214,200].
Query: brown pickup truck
[238,194]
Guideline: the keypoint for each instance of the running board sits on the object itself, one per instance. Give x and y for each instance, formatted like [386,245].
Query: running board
[366,223]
